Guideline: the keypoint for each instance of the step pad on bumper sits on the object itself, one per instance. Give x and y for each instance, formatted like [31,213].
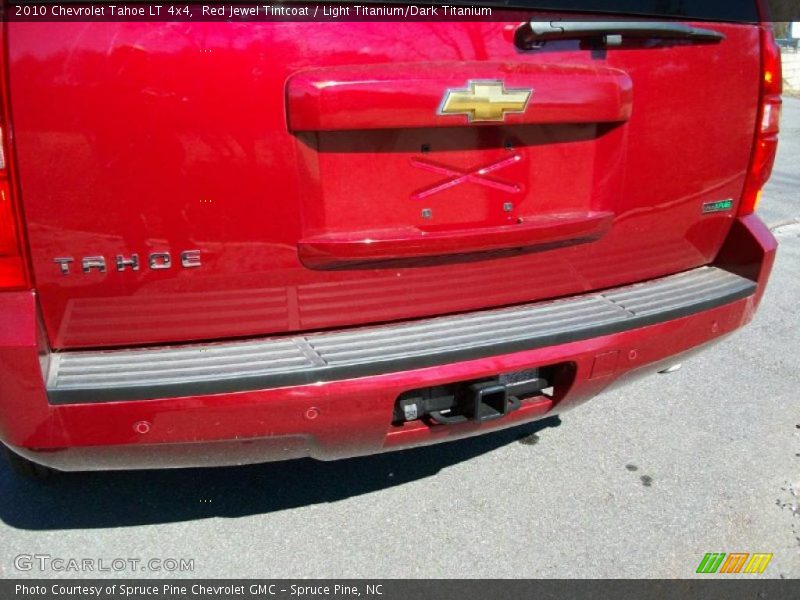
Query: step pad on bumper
[140,374]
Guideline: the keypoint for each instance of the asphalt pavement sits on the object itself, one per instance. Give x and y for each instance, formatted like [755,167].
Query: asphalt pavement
[640,482]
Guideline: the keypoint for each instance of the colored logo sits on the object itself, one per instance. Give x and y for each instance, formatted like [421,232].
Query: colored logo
[736,562]
[718,206]
[485,101]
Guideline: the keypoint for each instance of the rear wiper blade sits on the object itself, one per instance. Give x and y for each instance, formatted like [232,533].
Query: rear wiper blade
[611,32]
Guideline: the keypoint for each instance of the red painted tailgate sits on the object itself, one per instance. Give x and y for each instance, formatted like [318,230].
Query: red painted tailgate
[310,166]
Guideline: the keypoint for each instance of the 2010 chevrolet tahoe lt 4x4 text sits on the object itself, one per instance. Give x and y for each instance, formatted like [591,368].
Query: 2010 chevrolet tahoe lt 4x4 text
[233,242]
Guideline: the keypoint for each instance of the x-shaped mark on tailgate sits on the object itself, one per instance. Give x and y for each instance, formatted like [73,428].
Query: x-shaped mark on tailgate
[478,175]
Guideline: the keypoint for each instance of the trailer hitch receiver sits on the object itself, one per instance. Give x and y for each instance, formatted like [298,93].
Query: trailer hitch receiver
[477,401]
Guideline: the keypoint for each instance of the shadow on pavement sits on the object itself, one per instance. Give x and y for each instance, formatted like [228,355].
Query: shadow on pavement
[120,499]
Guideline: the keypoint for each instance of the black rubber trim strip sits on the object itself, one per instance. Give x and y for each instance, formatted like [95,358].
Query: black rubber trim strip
[329,373]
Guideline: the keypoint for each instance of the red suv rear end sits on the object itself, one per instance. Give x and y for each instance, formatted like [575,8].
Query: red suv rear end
[232,242]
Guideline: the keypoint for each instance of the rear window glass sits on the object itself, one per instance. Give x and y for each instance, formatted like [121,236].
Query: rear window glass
[707,10]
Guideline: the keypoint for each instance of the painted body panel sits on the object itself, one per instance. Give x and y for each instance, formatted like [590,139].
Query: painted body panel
[333,419]
[141,138]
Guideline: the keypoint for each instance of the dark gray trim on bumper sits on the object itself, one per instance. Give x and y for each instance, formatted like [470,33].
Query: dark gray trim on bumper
[220,367]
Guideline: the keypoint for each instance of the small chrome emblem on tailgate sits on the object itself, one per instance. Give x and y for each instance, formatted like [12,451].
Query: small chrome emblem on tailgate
[157,261]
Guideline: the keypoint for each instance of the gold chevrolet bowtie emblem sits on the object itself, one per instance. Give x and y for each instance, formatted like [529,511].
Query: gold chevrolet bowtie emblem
[485,101]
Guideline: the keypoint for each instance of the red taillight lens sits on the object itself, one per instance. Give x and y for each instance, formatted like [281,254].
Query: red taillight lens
[766,142]
[13,268]
[8,234]
[12,265]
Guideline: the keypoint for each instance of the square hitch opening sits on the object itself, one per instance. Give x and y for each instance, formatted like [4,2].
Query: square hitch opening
[489,400]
